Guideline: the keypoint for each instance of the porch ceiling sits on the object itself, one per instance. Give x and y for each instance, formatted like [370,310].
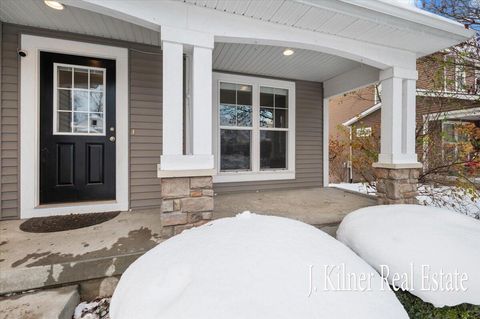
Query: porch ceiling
[36,14]
[387,23]
[269,61]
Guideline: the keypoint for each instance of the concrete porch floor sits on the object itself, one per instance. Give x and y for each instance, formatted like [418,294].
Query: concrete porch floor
[315,206]
[37,260]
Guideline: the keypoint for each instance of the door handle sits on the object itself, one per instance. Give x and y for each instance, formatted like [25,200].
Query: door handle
[112,139]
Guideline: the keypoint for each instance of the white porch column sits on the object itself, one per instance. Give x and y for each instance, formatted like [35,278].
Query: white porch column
[202,101]
[398,119]
[172,99]
[397,170]
[199,162]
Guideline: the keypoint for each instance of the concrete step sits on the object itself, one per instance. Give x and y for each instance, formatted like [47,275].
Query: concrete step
[56,303]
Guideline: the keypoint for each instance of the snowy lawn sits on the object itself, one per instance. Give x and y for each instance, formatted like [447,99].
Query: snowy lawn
[428,251]
[451,198]
[253,266]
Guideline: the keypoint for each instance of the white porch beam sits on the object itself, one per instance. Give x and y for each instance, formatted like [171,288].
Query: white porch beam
[398,119]
[241,29]
[351,80]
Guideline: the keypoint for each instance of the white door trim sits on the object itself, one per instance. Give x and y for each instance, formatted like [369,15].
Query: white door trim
[29,126]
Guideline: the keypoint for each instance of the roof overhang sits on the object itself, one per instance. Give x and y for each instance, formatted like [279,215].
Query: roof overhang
[375,23]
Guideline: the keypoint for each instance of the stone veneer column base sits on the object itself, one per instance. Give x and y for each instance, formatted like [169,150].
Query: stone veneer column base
[397,186]
[186,202]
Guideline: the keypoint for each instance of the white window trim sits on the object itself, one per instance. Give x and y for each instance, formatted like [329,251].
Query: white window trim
[55,99]
[255,174]
[30,117]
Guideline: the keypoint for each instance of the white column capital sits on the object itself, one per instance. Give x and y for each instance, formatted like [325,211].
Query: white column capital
[396,72]
[187,37]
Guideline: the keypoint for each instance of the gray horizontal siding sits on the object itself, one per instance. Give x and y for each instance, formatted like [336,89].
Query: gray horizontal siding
[308,144]
[9,127]
[145,129]
[145,109]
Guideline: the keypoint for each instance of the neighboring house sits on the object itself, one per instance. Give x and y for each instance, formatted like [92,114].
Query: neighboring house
[154,105]
[445,99]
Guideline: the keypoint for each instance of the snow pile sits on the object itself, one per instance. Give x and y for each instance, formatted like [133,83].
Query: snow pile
[251,266]
[428,251]
[96,309]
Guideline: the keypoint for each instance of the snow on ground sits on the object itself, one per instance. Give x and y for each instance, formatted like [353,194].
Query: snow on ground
[431,241]
[252,266]
[96,309]
[448,197]
[451,198]
[363,188]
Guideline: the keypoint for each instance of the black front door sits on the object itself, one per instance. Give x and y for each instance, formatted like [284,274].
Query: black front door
[77,128]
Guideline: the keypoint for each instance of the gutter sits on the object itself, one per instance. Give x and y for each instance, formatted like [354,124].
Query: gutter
[362,115]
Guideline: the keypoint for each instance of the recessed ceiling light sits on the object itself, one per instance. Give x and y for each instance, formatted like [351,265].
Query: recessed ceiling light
[54,4]
[288,52]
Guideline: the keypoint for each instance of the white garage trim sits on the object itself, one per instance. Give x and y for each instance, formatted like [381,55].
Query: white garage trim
[29,121]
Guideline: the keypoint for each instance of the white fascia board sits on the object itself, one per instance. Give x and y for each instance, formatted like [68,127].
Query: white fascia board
[360,116]
[397,15]
[350,80]
[227,27]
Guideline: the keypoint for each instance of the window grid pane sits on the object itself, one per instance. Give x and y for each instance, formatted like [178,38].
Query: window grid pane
[235,105]
[80,103]
[235,150]
[273,107]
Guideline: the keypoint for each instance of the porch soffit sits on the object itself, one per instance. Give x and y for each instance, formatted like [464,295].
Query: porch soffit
[269,61]
[35,13]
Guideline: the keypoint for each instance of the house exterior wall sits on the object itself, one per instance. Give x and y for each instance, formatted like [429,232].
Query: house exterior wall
[308,144]
[145,125]
[145,118]
[344,107]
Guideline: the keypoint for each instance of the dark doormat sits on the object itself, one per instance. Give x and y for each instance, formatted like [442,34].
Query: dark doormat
[67,222]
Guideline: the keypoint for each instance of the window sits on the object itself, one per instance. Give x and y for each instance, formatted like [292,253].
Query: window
[364,131]
[454,75]
[453,136]
[235,126]
[79,100]
[255,128]
[273,128]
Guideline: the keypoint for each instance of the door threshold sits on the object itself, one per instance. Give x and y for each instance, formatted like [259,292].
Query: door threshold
[73,204]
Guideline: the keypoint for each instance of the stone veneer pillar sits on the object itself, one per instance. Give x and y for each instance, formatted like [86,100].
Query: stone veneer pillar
[397,186]
[186,202]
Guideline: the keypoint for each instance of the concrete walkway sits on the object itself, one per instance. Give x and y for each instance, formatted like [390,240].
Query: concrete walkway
[316,206]
[39,260]
[35,260]
[56,303]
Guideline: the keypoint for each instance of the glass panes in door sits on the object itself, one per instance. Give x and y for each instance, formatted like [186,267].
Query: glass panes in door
[79,105]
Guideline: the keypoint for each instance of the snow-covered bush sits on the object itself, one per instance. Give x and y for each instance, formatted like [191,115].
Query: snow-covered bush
[431,252]
[465,200]
[252,266]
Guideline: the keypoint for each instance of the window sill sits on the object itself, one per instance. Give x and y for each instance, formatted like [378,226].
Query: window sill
[224,177]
